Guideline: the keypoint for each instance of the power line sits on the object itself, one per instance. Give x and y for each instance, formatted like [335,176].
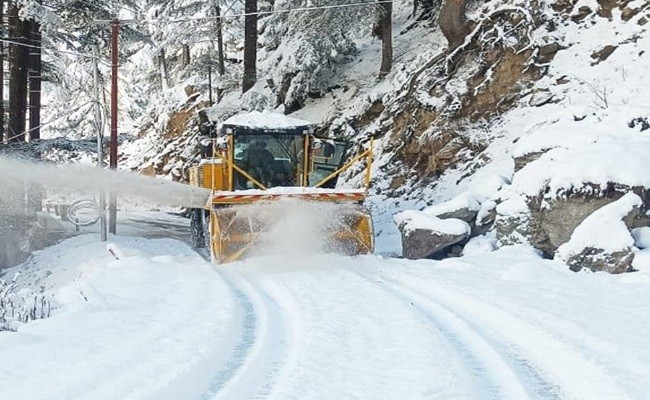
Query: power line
[31,46]
[98,8]
[259,13]
[52,120]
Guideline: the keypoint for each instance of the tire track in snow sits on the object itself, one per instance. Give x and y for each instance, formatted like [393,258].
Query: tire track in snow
[497,376]
[542,357]
[255,362]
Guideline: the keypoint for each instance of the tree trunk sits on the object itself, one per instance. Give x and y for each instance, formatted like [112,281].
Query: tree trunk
[250,46]
[453,22]
[2,73]
[425,7]
[385,22]
[221,66]
[164,71]
[18,77]
[185,55]
[35,79]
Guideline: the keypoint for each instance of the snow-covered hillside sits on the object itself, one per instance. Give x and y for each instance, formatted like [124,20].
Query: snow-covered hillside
[566,79]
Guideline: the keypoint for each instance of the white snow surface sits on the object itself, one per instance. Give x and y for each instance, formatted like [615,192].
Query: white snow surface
[641,237]
[162,323]
[604,229]
[469,201]
[585,157]
[265,119]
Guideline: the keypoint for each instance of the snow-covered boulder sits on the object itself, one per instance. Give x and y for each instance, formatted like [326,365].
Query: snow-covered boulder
[425,235]
[557,219]
[473,208]
[513,223]
[547,222]
[567,169]
[603,242]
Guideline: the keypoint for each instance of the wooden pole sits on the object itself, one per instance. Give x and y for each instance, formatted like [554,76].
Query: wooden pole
[35,78]
[100,136]
[112,208]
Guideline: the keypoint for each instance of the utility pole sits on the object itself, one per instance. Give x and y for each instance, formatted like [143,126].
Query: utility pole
[35,78]
[112,212]
[100,147]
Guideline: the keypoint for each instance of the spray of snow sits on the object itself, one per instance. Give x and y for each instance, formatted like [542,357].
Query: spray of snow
[88,179]
[294,229]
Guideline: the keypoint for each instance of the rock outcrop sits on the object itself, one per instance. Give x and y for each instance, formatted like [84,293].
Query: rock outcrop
[546,224]
[603,242]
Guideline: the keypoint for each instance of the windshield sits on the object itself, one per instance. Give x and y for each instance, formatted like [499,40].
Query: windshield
[273,160]
[328,156]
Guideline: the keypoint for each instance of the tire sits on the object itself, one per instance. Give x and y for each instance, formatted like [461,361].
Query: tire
[206,229]
[197,236]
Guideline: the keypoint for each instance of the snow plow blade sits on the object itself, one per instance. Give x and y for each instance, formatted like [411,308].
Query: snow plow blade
[254,224]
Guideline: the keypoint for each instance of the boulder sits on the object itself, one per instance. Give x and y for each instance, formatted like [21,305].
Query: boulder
[547,223]
[546,54]
[556,220]
[425,236]
[603,242]
[513,223]
[615,262]
[464,207]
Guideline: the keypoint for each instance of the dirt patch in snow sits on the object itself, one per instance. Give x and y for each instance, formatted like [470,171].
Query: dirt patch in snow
[508,74]
[179,121]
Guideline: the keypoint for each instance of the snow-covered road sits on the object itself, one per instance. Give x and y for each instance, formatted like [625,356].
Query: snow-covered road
[161,323]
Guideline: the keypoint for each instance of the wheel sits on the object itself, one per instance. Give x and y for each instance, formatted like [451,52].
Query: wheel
[206,229]
[197,232]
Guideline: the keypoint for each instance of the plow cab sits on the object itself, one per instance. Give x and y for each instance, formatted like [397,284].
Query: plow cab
[271,179]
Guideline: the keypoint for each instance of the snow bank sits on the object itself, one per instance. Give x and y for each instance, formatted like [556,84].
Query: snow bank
[411,220]
[468,201]
[641,237]
[642,261]
[479,245]
[128,328]
[604,229]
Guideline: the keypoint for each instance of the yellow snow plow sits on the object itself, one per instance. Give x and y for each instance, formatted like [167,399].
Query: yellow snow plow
[274,181]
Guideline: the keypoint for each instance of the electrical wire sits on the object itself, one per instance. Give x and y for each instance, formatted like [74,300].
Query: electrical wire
[31,46]
[93,102]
